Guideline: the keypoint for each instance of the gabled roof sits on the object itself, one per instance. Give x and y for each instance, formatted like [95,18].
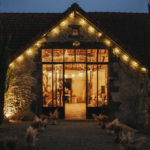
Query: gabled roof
[130,30]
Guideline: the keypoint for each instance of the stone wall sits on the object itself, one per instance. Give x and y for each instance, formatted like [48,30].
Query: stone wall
[129,88]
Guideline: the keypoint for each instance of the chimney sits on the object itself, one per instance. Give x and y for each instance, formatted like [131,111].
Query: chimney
[149,7]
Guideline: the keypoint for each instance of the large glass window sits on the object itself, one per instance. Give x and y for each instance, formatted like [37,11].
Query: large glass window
[75,76]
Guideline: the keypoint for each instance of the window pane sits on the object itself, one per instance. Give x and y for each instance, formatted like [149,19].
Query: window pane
[57,55]
[92,85]
[47,85]
[69,55]
[92,55]
[80,55]
[58,85]
[46,55]
[102,85]
[102,55]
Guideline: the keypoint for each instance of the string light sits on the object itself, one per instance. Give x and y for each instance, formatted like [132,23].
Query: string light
[116,51]
[64,23]
[55,30]
[20,58]
[72,15]
[91,29]
[29,52]
[134,64]
[125,57]
[11,65]
[107,42]
[143,69]
[82,21]
[99,34]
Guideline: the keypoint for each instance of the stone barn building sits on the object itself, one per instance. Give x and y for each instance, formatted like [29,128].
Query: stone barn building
[79,63]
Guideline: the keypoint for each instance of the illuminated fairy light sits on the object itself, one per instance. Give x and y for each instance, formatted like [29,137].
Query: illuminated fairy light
[71,15]
[99,34]
[20,58]
[55,30]
[73,75]
[116,51]
[91,29]
[29,52]
[38,44]
[80,74]
[11,65]
[82,22]
[134,64]
[64,23]
[125,57]
[143,69]
[107,42]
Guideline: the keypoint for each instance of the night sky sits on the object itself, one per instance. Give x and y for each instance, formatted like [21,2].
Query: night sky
[62,5]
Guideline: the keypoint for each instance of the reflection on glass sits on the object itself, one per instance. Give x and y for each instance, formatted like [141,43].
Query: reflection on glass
[80,55]
[47,85]
[91,55]
[69,55]
[92,85]
[102,55]
[46,55]
[102,85]
[57,55]
[75,83]
[58,85]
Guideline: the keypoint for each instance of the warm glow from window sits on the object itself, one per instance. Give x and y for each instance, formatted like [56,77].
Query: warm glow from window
[125,57]
[8,114]
[20,58]
[91,29]
[66,76]
[29,52]
[73,75]
[107,42]
[49,74]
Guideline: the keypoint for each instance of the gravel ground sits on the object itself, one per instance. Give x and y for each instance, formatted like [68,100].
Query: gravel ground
[66,135]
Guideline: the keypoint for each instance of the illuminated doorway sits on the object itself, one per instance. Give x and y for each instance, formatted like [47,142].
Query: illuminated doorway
[75,81]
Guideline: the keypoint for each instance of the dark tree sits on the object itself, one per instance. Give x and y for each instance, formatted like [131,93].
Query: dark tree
[4,62]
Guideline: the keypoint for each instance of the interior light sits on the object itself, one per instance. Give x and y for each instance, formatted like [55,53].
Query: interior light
[66,76]
[73,75]
[80,74]
[49,74]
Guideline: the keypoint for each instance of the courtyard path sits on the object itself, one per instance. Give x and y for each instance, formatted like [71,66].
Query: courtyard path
[66,135]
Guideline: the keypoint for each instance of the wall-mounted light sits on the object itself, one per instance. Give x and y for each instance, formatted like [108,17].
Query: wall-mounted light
[91,29]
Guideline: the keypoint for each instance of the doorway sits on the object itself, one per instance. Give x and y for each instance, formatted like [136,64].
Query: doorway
[75,91]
